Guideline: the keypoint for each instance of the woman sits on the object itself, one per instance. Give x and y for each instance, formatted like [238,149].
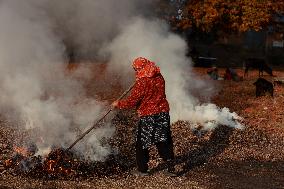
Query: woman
[149,98]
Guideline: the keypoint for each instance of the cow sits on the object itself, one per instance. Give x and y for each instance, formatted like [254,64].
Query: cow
[257,63]
[263,86]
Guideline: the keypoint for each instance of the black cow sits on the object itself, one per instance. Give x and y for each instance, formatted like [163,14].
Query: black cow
[263,86]
[257,63]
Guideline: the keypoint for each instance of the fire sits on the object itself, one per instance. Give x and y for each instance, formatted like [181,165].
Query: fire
[22,151]
[58,162]
[8,162]
[54,167]
[50,165]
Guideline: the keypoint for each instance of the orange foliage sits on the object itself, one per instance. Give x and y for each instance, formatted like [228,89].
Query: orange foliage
[232,15]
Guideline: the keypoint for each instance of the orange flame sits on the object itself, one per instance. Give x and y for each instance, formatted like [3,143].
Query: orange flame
[22,150]
[51,166]
[57,163]
[54,167]
[8,163]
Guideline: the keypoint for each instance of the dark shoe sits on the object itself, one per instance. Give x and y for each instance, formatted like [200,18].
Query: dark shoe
[140,174]
[170,173]
[170,169]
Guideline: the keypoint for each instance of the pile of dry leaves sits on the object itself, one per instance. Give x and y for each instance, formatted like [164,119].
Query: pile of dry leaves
[223,158]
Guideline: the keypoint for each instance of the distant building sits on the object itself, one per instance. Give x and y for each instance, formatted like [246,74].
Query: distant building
[275,42]
[231,50]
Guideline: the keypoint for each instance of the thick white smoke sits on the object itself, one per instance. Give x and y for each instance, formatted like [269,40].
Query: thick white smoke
[35,90]
[35,36]
[152,39]
[86,25]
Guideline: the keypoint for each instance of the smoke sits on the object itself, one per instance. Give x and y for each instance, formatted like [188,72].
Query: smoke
[37,37]
[152,39]
[86,25]
[36,91]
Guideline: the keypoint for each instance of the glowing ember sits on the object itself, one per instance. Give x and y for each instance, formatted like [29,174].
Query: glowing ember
[22,150]
[8,163]
[59,163]
[50,166]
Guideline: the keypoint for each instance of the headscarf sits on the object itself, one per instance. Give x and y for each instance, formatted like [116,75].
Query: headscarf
[145,68]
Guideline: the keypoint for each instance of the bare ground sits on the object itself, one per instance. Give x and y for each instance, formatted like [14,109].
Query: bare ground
[225,158]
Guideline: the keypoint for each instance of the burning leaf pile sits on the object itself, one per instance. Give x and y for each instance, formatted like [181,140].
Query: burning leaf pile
[22,159]
[210,159]
[60,163]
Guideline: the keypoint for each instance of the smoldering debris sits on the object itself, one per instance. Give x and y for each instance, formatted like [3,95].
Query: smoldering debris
[39,94]
[60,163]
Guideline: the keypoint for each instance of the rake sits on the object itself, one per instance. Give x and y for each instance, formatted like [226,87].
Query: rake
[97,122]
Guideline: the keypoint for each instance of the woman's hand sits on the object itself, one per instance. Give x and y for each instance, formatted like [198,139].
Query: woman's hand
[114,104]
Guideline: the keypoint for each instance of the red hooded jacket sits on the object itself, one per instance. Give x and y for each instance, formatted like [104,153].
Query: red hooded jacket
[148,94]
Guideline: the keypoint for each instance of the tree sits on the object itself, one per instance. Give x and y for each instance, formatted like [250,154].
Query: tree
[229,15]
[169,9]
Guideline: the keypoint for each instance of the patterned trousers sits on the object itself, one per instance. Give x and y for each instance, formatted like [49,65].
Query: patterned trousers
[153,130]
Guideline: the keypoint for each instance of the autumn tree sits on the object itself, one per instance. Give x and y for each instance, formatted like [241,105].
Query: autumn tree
[167,9]
[229,15]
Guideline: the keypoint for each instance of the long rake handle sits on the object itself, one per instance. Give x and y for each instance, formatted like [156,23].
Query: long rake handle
[95,124]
